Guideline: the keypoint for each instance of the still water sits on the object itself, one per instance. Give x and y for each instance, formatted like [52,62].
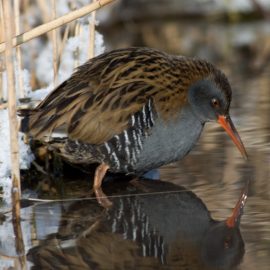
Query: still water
[155,225]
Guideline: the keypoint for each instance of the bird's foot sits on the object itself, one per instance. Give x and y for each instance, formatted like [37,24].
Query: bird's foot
[102,198]
[100,195]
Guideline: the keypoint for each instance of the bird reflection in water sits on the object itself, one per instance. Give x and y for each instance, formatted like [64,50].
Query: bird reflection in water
[151,225]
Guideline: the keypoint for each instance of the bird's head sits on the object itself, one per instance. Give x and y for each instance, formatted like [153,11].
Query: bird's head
[210,100]
[223,246]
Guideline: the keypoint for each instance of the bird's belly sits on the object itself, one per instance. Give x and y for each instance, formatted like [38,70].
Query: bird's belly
[169,142]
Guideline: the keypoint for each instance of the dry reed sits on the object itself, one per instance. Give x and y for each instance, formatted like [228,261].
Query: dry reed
[64,40]
[18,48]
[15,172]
[2,64]
[44,28]
[10,41]
[77,51]
[92,27]
[2,67]
[7,20]
[13,125]
[54,45]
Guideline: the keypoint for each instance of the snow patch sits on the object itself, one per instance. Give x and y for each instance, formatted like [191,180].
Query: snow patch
[75,47]
[26,82]
[44,71]
[26,156]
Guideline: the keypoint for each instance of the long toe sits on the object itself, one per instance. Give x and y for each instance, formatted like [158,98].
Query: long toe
[102,198]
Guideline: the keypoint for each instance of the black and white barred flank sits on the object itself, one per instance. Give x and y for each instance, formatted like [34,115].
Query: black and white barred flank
[134,225]
[122,150]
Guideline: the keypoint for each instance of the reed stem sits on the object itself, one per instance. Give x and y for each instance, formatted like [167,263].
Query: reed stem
[92,28]
[13,125]
[44,28]
[18,48]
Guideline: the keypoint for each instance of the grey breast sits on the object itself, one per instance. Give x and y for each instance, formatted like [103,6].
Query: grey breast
[169,141]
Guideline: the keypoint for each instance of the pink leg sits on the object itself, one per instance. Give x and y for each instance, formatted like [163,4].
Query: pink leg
[99,175]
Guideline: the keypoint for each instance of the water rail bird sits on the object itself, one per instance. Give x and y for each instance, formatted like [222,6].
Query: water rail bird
[132,110]
[151,225]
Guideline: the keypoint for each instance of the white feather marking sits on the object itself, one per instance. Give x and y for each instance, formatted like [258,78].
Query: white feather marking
[114,226]
[143,250]
[107,148]
[118,144]
[137,141]
[116,160]
[133,156]
[151,117]
[127,153]
[162,253]
[134,234]
[155,251]
[139,123]
[144,115]
[126,138]
[132,120]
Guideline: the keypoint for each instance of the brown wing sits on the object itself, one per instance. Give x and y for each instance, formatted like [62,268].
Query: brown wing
[97,101]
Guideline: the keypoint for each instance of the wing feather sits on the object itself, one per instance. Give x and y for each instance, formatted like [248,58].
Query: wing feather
[99,99]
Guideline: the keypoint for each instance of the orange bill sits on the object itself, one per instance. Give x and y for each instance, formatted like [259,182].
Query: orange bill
[234,219]
[227,124]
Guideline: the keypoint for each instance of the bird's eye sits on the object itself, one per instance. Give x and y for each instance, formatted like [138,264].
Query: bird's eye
[215,103]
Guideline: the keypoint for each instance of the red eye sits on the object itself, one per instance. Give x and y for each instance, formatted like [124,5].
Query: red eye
[215,102]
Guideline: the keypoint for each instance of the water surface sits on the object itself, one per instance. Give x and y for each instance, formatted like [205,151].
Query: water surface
[214,171]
